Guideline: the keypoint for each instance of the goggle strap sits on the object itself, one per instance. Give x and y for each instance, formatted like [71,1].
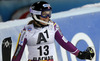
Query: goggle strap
[35,12]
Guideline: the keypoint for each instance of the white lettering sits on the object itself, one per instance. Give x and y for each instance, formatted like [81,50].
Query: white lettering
[64,54]
[86,38]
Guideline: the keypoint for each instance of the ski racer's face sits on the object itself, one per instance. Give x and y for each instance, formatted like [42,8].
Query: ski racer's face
[45,16]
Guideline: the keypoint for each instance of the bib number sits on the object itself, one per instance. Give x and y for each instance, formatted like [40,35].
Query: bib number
[43,50]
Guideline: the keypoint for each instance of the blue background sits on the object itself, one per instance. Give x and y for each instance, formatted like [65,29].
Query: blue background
[86,23]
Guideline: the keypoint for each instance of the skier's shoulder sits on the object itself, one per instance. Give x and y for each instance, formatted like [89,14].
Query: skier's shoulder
[28,27]
[55,25]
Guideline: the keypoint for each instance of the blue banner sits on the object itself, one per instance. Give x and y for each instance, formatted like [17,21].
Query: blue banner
[83,30]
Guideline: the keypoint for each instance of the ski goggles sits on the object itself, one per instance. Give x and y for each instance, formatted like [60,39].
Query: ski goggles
[46,14]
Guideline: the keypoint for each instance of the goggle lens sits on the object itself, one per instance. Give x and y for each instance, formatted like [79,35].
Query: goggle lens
[46,14]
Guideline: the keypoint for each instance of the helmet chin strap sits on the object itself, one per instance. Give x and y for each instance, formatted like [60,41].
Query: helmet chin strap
[41,20]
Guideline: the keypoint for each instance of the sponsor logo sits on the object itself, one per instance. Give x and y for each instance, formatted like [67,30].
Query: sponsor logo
[21,42]
[29,28]
[46,5]
[43,58]
[16,54]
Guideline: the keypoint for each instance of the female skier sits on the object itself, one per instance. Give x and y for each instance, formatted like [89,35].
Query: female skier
[39,35]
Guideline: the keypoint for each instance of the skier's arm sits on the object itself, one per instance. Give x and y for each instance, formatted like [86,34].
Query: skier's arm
[20,46]
[70,47]
[66,44]
[63,42]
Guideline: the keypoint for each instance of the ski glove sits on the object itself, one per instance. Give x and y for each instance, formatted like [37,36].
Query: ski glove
[88,54]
